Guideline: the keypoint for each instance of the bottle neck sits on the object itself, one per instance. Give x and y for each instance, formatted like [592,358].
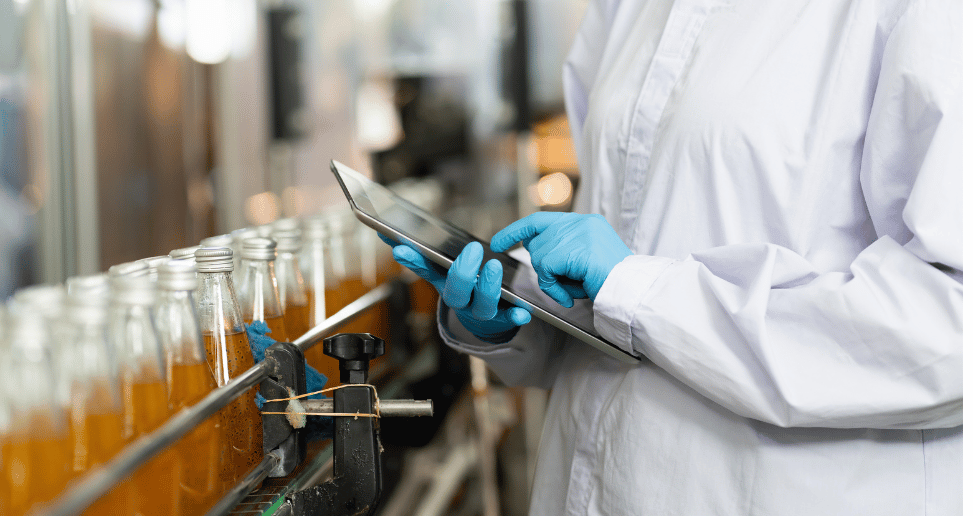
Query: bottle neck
[259,292]
[290,281]
[179,328]
[216,304]
[135,338]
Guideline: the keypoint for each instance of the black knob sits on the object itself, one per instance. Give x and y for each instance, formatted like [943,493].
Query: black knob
[353,351]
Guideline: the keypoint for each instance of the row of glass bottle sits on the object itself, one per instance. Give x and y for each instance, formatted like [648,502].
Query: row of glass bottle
[79,413]
[89,368]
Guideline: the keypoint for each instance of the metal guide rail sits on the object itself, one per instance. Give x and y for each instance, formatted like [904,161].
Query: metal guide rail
[99,482]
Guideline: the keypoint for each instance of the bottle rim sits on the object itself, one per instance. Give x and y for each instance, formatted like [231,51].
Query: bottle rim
[214,259]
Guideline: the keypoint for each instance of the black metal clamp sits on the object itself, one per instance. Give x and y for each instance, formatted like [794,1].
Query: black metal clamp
[357,482]
[285,380]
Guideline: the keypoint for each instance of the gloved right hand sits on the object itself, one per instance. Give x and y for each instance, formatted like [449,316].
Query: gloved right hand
[473,293]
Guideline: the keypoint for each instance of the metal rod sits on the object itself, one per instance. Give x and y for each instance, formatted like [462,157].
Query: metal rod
[349,312]
[387,408]
[99,482]
[248,484]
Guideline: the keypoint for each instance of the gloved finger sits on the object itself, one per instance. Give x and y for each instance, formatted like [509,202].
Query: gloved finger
[527,227]
[388,240]
[461,277]
[411,259]
[516,316]
[542,239]
[575,290]
[486,295]
[548,267]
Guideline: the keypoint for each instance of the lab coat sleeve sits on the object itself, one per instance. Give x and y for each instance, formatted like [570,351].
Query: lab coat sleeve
[757,329]
[531,358]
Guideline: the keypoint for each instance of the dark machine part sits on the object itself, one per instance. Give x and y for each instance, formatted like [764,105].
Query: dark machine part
[401,341]
[357,482]
[288,115]
[435,128]
[288,371]
[353,351]
[516,67]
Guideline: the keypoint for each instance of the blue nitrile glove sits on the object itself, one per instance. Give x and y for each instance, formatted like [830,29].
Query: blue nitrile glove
[473,293]
[319,427]
[566,246]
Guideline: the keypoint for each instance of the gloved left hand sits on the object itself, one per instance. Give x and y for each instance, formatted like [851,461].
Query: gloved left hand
[471,291]
[582,248]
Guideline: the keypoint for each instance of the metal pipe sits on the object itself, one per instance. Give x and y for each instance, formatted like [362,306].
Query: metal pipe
[387,408]
[248,484]
[349,312]
[99,482]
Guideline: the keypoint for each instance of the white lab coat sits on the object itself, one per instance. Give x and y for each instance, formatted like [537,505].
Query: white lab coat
[788,175]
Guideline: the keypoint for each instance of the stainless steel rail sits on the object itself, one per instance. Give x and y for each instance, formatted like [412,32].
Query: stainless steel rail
[352,310]
[249,483]
[94,485]
[387,408]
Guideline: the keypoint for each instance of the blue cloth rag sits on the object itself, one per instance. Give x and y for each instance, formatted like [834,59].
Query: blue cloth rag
[318,427]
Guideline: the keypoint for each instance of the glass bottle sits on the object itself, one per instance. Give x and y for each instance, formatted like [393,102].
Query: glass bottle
[145,401]
[137,268]
[37,450]
[186,253]
[217,241]
[190,379]
[228,353]
[96,423]
[259,294]
[290,283]
[4,409]
[153,265]
[377,320]
[348,262]
[313,261]
[239,235]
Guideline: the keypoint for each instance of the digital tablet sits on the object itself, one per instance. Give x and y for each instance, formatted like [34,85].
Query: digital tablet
[441,242]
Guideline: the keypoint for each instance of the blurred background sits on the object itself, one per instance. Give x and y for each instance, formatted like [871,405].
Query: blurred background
[132,127]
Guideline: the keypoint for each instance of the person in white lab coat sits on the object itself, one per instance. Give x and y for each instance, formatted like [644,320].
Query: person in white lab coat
[770,213]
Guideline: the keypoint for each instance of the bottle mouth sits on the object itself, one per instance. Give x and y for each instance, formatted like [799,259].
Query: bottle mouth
[259,248]
[214,259]
[217,241]
[186,253]
[133,290]
[178,275]
[288,240]
[131,269]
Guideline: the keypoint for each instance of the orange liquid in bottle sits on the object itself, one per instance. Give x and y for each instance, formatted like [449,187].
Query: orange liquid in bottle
[97,430]
[36,462]
[297,319]
[4,487]
[200,450]
[240,420]
[156,482]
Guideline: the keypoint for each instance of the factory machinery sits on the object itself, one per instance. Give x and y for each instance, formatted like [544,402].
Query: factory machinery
[378,350]
[348,483]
